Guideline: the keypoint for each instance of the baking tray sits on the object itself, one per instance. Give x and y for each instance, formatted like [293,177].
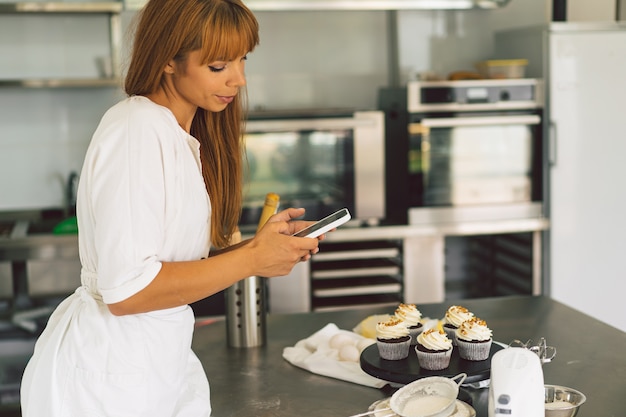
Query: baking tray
[407,370]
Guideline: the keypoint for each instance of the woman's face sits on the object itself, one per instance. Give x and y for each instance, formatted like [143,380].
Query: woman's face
[211,87]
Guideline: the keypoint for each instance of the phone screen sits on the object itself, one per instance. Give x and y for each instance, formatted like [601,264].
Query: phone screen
[327,223]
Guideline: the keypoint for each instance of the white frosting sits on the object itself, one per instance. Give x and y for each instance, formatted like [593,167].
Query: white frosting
[456,315]
[474,329]
[434,339]
[409,314]
[426,406]
[558,405]
[393,328]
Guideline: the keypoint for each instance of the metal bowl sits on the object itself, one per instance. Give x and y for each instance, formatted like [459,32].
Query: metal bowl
[562,401]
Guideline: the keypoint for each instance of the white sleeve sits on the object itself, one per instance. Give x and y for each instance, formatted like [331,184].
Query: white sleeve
[129,183]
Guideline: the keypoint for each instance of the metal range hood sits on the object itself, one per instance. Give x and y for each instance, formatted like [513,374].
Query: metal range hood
[285,5]
[304,5]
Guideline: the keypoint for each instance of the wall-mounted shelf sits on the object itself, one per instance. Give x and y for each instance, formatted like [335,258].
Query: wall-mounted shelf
[61,7]
[112,9]
[62,83]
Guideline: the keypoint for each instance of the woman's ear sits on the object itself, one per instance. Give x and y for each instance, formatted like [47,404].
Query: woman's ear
[170,67]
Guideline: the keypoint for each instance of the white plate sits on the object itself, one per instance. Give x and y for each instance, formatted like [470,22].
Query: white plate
[462,409]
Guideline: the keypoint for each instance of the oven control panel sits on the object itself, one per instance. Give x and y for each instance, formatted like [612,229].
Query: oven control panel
[480,95]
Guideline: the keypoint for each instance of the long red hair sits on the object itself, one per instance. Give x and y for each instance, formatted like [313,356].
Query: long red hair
[221,30]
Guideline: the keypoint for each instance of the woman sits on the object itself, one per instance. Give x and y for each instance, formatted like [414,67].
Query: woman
[161,183]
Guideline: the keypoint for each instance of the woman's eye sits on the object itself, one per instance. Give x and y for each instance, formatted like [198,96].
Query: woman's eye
[214,68]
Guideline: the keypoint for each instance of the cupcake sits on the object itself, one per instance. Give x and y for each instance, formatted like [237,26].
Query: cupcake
[474,340]
[411,317]
[393,339]
[433,349]
[453,319]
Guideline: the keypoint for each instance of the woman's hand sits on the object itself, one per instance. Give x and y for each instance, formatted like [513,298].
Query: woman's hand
[276,250]
[288,216]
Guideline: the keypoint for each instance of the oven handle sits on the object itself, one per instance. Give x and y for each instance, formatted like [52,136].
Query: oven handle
[286,125]
[479,121]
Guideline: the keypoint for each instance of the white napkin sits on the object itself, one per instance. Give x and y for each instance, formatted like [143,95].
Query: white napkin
[315,355]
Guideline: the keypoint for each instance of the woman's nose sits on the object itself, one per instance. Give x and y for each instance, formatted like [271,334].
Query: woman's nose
[238,77]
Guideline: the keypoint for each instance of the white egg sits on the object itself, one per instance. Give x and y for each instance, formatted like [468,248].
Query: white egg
[349,353]
[363,343]
[339,340]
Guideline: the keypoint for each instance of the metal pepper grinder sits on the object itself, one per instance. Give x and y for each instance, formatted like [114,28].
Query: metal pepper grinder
[246,300]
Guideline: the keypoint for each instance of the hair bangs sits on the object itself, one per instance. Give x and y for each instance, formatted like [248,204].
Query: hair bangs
[231,33]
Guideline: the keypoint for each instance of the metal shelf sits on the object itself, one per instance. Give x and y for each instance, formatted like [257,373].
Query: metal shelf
[61,7]
[112,9]
[361,272]
[62,83]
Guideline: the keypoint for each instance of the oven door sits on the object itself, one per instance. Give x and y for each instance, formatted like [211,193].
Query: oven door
[474,160]
[319,163]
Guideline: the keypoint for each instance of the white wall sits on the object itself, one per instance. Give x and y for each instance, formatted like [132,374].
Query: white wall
[522,13]
[442,41]
[318,60]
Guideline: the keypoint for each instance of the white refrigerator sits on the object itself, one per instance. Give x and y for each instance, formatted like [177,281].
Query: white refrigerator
[584,69]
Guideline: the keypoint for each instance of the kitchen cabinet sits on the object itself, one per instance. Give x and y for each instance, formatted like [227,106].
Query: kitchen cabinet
[109,71]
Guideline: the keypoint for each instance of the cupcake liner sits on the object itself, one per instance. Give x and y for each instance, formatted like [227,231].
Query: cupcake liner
[393,351]
[434,361]
[451,333]
[474,351]
[414,332]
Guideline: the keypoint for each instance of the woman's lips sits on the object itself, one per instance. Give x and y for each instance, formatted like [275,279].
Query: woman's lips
[226,99]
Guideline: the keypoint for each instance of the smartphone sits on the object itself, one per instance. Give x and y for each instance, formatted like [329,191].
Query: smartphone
[327,223]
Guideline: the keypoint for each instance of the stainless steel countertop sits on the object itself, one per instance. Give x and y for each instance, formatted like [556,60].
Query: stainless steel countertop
[49,246]
[439,229]
[258,382]
[350,233]
[41,247]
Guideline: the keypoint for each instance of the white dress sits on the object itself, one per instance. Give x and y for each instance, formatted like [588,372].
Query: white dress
[141,200]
